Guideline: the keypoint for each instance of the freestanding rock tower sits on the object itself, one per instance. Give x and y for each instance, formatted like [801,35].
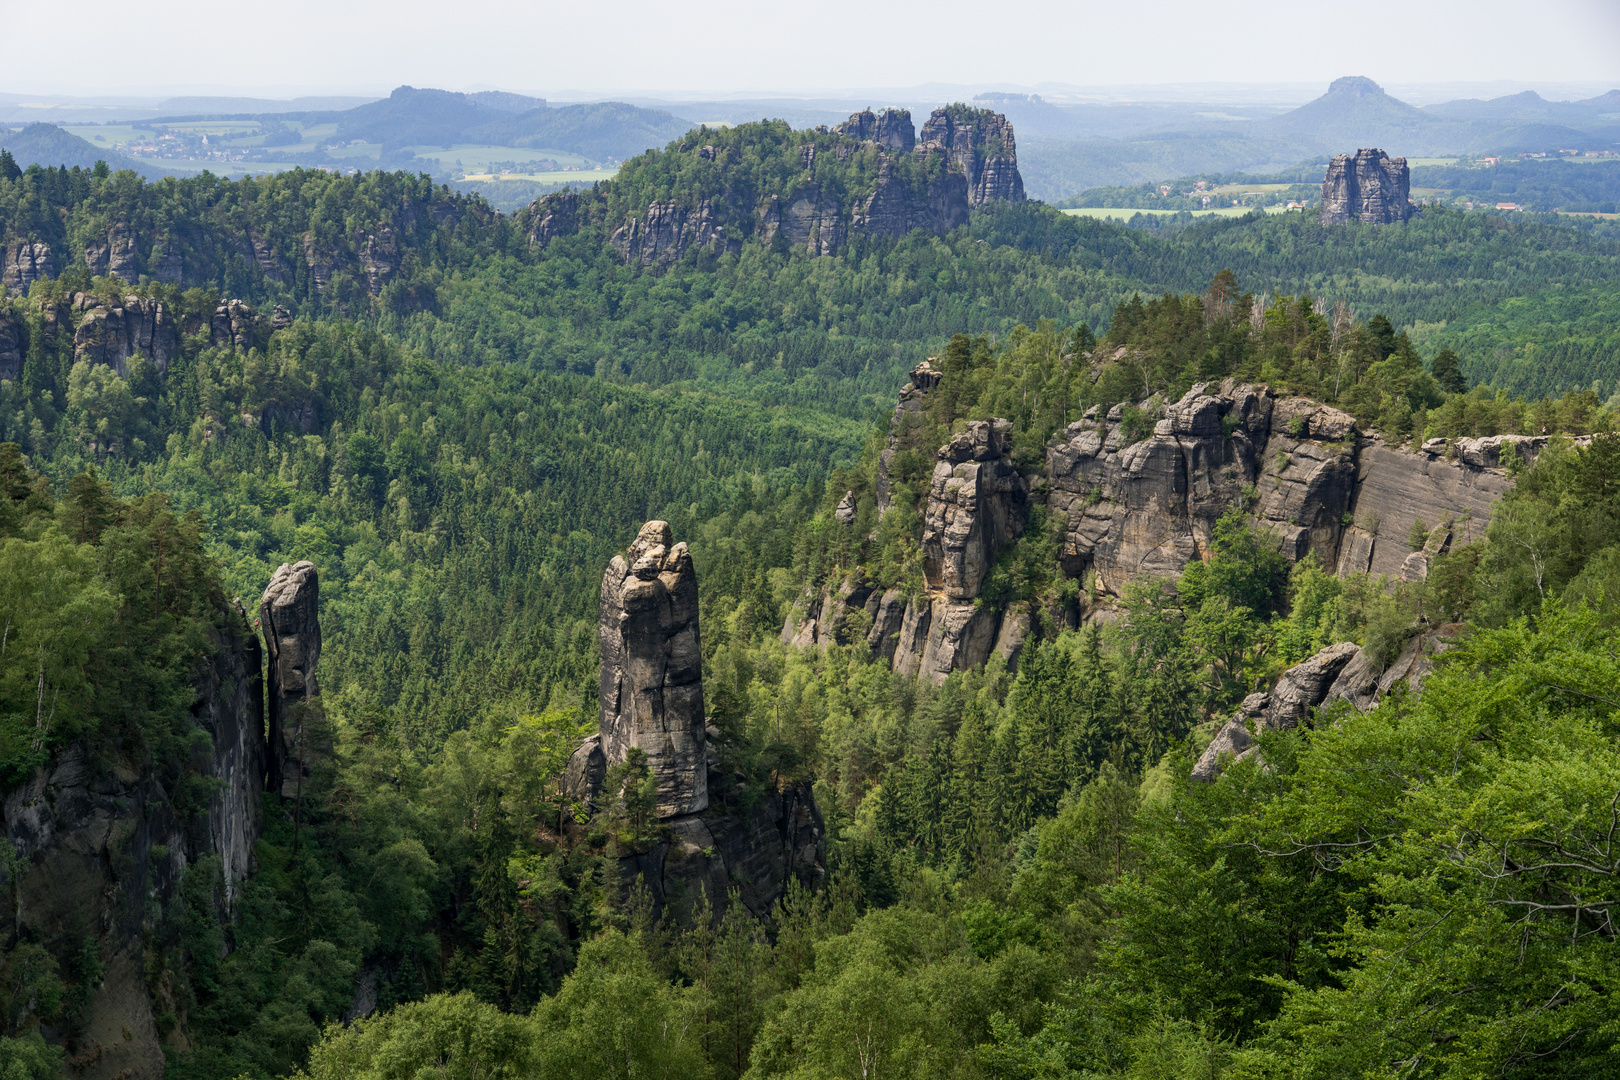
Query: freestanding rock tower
[652,668]
[1371,188]
[289,619]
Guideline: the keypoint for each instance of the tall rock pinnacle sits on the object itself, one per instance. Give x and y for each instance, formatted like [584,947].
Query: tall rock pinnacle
[652,667]
[289,620]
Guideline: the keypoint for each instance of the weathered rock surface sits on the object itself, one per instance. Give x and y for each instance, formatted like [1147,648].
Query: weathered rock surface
[1232,743]
[113,334]
[652,667]
[966,157]
[113,254]
[980,145]
[101,850]
[1305,685]
[1369,187]
[1395,489]
[24,262]
[289,618]
[757,850]
[976,507]
[891,128]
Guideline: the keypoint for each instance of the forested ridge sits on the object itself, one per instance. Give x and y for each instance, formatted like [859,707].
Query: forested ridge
[1023,880]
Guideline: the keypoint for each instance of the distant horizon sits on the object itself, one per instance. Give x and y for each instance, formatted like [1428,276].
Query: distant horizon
[1282,93]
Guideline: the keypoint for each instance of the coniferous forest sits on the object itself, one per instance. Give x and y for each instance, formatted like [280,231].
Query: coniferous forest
[460,427]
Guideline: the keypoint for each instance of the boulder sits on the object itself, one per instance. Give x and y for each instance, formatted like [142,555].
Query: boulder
[1305,685]
[1232,743]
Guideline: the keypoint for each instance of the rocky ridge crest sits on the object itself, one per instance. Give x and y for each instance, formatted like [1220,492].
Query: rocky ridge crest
[964,158]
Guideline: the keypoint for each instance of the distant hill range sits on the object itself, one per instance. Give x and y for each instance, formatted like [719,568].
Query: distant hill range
[1355,112]
[47,144]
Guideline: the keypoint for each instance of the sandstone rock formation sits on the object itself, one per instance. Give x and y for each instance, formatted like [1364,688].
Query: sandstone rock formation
[113,253]
[891,128]
[101,851]
[652,667]
[114,333]
[289,618]
[24,262]
[979,144]
[1318,485]
[1370,187]
[711,838]
[976,505]
[966,157]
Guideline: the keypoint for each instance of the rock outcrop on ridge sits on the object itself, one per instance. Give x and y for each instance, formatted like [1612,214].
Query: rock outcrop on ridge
[1138,490]
[1369,187]
[882,181]
[24,262]
[1345,672]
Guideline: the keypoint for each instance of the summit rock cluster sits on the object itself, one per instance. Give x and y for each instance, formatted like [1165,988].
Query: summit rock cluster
[884,180]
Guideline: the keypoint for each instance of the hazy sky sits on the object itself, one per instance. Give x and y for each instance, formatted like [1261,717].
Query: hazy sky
[101,46]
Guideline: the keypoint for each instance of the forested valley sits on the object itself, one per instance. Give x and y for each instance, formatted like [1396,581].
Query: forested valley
[460,428]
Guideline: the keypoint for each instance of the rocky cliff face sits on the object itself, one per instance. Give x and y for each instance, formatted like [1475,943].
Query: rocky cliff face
[966,157]
[652,667]
[1139,491]
[1370,187]
[977,506]
[290,621]
[980,145]
[1307,475]
[24,262]
[101,849]
[112,334]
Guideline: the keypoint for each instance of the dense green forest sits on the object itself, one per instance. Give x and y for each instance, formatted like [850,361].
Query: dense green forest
[1024,882]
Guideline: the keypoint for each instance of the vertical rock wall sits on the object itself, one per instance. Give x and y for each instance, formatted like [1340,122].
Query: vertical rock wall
[1370,187]
[652,667]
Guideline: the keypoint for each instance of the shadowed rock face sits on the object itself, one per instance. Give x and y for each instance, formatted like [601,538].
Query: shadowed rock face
[289,620]
[980,145]
[101,850]
[1370,187]
[652,667]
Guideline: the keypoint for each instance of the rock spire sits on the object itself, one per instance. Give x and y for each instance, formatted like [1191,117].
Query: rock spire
[652,667]
[289,620]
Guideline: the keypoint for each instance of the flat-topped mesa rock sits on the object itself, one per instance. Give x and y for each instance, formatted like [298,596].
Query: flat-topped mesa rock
[289,619]
[652,668]
[1370,187]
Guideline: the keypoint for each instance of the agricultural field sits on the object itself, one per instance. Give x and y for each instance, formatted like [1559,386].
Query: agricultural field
[575,176]
[1126,213]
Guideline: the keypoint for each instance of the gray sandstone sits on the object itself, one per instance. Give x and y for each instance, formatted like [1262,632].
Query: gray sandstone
[652,667]
[289,619]
[1369,187]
